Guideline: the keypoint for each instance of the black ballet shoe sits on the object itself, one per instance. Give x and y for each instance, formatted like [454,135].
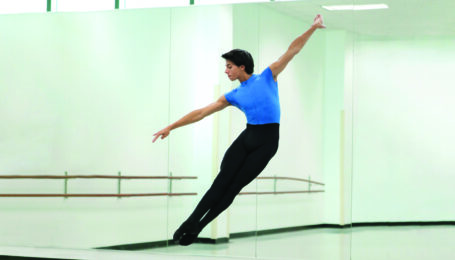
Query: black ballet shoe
[188,239]
[178,235]
[186,227]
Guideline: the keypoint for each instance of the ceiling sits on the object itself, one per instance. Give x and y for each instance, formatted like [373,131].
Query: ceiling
[404,18]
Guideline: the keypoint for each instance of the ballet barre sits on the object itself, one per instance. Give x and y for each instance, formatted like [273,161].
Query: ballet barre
[119,177]
[275,192]
[290,178]
[96,195]
[280,192]
[92,177]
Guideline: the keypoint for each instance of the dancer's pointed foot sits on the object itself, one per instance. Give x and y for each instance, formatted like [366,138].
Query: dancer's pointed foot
[178,235]
[188,239]
[187,229]
[190,236]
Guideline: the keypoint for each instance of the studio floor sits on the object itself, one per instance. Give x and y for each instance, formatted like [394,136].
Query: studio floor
[365,243]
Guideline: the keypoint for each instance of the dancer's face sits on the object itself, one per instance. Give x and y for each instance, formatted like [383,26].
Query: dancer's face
[233,71]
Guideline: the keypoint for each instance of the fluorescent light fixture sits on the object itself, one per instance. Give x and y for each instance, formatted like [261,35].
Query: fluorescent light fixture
[355,7]
[82,5]
[23,6]
[130,4]
[216,2]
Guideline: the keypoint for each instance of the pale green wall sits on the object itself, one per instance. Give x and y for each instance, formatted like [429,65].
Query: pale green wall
[333,115]
[404,130]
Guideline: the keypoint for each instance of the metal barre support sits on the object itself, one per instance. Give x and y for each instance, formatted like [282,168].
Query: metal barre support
[66,184]
[170,183]
[119,187]
[309,183]
[274,183]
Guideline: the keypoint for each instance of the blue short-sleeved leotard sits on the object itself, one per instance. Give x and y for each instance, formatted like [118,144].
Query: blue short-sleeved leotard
[257,98]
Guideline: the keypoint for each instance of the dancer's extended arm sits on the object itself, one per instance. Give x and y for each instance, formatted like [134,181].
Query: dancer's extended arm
[295,47]
[193,117]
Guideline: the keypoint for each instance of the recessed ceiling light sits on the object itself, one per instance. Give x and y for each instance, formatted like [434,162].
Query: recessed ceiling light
[215,2]
[133,4]
[355,7]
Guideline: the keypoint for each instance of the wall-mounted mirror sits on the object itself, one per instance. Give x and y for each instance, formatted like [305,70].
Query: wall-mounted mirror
[365,108]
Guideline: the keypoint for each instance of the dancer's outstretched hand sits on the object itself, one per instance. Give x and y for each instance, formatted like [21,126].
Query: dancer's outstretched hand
[319,22]
[163,133]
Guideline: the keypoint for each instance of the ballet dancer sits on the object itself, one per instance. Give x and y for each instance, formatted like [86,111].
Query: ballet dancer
[248,155]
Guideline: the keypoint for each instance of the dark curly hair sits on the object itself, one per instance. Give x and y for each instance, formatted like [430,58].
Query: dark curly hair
[240,57]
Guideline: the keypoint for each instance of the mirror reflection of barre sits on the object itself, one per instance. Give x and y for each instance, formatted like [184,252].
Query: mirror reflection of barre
[275,192]
[119,177]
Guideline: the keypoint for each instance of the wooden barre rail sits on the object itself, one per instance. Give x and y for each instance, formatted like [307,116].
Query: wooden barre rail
[290,178]
[93,177]
[96,195]
[279,192]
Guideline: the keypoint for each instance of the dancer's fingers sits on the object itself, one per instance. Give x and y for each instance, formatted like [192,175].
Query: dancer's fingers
[156,137]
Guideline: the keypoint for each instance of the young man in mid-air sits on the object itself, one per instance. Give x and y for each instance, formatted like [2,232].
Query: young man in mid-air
[246,158]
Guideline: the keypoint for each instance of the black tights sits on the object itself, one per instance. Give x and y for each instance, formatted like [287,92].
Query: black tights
[243,162]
